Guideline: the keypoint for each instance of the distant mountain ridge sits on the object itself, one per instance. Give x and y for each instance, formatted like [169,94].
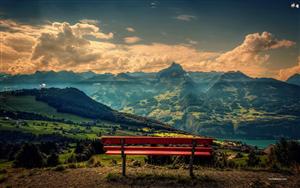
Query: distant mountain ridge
[223,104]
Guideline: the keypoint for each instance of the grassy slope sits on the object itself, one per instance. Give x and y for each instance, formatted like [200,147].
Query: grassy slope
[29,104]
[68,130]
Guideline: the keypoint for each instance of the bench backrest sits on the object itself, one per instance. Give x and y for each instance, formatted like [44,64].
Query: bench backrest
[141,140]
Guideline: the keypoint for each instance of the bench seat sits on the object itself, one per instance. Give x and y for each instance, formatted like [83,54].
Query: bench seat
[149,150]
[157,152]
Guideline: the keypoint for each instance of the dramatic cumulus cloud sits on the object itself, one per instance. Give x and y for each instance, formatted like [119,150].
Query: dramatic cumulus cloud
[185,17]
[83,46]
[250,56]
[131,40]
[67,45]
[284,74]
[130,29]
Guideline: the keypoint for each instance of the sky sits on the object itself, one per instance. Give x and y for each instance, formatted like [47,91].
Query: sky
[258,37]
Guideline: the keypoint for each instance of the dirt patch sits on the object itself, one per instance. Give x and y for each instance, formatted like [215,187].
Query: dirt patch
[148,176]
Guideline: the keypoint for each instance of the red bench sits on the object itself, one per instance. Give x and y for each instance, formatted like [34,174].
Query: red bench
[164,146]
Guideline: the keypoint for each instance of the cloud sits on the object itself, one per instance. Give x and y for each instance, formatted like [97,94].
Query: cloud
[192,42]
[89,21]
[67,46]
[251,56]
[284,74]
[130,29]
[131,40]
[83,29]
[83,46]
[185,17]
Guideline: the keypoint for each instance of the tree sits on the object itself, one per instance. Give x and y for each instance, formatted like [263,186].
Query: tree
[285,153]
[29,156]
[53,160]
[253,160]
[97,146]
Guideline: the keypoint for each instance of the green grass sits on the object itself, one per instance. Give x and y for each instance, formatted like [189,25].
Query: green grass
[46,127]
[29,104]
[75,131]
[107,159]
[5,164]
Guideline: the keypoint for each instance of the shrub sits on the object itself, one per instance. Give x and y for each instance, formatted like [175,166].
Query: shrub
[72,165]
[53,160]
[158,160]
[287,152]
[238,155]
[220,160]
[3,171]
[113,162]
[29,157]
[72,159]
[93,162]
[97,147]
[253,160]
[3,178]
[232,164]
[59,168]
[136,163]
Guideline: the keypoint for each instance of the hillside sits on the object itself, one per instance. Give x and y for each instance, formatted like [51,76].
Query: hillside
[295,79]
[69,112]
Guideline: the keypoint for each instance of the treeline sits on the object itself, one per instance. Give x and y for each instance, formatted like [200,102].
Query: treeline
[283,155]
[18,137]
[46,154]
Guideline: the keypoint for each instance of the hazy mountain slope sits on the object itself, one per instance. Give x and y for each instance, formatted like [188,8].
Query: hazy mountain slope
[295,79]
[69,103]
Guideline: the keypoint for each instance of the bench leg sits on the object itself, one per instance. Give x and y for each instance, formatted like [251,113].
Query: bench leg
[192,159]
[191,167]
[123,165]
[123,157]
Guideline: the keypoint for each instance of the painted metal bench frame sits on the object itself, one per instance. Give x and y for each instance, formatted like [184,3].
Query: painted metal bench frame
[164,146]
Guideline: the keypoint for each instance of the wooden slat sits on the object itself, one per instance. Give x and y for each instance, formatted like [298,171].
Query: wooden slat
[162,153]
[116,140]
[157,148]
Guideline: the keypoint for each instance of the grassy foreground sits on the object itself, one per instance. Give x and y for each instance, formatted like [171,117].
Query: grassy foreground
[145,176]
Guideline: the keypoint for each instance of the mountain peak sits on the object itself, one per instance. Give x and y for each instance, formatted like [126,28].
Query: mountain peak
[234,76]
[173,71]
[175,66]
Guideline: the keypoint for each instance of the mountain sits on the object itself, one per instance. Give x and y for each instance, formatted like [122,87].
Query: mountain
[3,76]
[295,79]
[247,107]
[222,104]
[44,77]
[172,73]
[233,76]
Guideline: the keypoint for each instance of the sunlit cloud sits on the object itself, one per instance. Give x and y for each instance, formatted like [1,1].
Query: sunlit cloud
[185,17]
[83,46]
[284,74]
[251,56]
[130,29]
[192,42]
[131,40]
[89,21]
